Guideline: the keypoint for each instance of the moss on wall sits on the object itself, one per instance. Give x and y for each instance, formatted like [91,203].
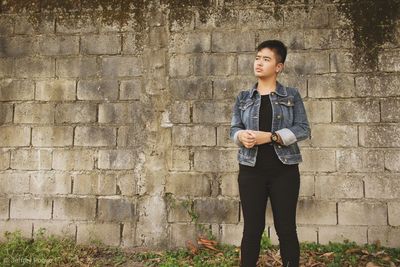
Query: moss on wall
[373,24]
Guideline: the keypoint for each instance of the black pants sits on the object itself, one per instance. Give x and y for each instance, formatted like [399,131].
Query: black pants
[281,185]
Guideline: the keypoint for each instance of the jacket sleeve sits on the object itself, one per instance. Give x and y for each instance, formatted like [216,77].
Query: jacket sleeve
[236,123]
[300,130]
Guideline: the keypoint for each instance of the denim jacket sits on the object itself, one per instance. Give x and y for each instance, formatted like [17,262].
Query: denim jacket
[289,120]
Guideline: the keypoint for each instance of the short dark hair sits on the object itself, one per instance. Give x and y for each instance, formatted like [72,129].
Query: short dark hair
[277,46]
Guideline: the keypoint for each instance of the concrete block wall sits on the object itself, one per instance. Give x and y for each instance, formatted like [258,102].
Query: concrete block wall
[117,127]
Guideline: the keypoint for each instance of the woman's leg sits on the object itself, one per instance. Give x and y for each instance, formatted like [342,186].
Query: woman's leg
[284,191]
[253,198]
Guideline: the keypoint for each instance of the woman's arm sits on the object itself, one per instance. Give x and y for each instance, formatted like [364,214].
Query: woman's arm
[300,129]
[236,123]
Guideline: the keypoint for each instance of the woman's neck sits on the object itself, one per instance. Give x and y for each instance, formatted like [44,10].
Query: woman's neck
[266,86]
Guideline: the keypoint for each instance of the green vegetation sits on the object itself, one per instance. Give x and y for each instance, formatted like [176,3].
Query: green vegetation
[49,250]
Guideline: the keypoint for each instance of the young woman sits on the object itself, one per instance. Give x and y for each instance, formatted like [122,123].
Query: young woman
[268,120]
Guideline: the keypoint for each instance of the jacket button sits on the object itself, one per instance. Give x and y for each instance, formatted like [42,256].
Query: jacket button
[279,116]
[279,146]
[284,160]
[276,103]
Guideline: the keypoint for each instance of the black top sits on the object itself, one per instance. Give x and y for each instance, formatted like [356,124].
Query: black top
[266,155]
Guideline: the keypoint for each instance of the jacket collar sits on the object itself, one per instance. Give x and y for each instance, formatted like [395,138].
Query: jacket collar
[280,89]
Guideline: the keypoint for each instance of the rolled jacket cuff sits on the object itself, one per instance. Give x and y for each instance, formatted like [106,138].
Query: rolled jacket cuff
[236,138]
[287,136]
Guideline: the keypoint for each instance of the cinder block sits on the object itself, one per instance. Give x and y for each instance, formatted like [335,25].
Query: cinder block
[24,226]
[180,159]
[97,90]
[229,184]
[70,24]
[318,111]
[48,136]
[366,213]
[387,236]
[56,228]
[6,67]
[302,17]
[74,208]
[18,46]
[292,38]
[394,213]
[339,234]
[131,136]
[215,160]
[126,183]
[257,19]
[4,208]
[119,113]
[231,234]
[191,88]
[299,63]
[180,66]
[307,186]
[361,111]
[30,208]
[34,113]
[95,136]
[94,184]
[4,158]
[50,183]
[188,184]
[342,61]
[73,159]
[323,133]
[14,182]
[316,211]
[83,67]
[181,234]
[58,45]
[15,135]
[130,89]
[101,44]
[328,38]
[232,41]
[179,210]
[214,64]
[189,42]
[197,135]
[212,112]
[120,159]
[76,112]
[332,86]
[217,210]
[107,233]
[121,66]
[389,110]
[381,86]
[372,135]
[11,89]
[180,112]
[35,67]
[116,209]
[223,137]
[392,160]
[389,61]
[55,90]
[339,186]
[318,160]
[246,64]
[382,186]
[31,159]
[360,160]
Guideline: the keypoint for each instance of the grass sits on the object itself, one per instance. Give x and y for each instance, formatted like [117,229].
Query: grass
[42,250]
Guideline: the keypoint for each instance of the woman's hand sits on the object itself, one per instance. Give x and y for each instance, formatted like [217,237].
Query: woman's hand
[247,138]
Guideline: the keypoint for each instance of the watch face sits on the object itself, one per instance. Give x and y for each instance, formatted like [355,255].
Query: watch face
[274,137]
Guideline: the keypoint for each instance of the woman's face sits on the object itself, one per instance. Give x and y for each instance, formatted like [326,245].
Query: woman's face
[265,63]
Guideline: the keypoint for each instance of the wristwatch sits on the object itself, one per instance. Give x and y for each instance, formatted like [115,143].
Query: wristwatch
[274,137]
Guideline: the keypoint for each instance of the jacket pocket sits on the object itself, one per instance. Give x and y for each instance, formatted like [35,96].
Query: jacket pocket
[287,101]
[244,104]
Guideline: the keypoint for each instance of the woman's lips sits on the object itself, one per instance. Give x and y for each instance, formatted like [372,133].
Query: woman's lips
[258,70]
